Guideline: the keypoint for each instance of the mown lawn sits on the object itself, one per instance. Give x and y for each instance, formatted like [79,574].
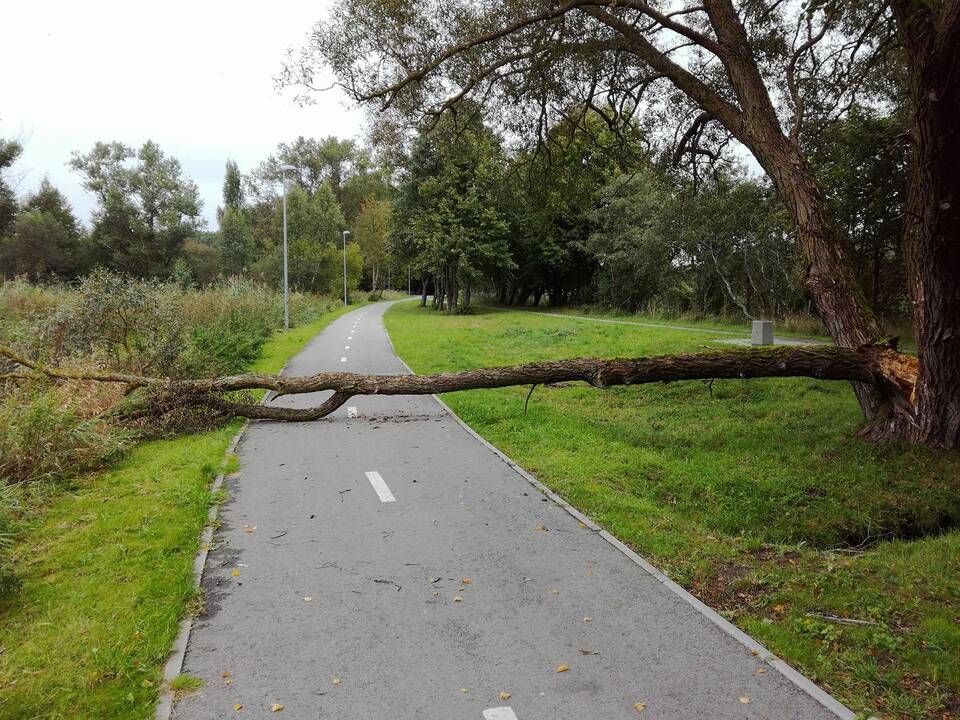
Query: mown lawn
[106,572]
[755,495]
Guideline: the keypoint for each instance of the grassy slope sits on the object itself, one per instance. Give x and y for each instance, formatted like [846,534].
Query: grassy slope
[107,574]
[744,496]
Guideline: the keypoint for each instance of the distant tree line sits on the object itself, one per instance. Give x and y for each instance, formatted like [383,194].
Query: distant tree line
[592,215]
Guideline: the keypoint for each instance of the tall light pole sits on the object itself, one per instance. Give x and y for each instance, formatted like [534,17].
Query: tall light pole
[286,286]
[345,301]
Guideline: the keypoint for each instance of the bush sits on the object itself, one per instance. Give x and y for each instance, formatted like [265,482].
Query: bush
[47,440]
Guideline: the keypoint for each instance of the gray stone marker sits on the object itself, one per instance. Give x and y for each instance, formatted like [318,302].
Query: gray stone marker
[762,333]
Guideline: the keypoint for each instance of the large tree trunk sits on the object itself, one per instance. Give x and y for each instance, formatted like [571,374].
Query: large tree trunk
[830,277]
[871,364]
[931,34]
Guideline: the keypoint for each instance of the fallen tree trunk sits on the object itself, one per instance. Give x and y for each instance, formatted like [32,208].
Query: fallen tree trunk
[893,373]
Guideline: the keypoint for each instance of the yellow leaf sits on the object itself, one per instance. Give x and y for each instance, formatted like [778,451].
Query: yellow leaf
[563,668]
[235,572]
[639,707]
[744,699]
[463,690]
[541,528]
[504,695]
[466,581]
[276,707]
[779,608]
[238,707]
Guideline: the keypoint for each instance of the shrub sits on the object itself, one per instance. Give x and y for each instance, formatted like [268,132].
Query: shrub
[46,440]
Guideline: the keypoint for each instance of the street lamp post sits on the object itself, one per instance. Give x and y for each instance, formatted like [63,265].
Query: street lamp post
[345,300]
[286,286]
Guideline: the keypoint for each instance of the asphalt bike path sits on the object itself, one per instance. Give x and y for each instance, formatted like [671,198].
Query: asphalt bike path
[392,565]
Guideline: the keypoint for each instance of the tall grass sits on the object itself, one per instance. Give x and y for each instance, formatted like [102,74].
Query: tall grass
[51,432]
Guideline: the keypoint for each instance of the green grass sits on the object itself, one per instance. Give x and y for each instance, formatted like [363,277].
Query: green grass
[184,684]
[752,496]
[106,568]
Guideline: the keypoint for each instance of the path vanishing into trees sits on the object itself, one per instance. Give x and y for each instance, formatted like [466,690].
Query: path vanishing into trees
[393,565]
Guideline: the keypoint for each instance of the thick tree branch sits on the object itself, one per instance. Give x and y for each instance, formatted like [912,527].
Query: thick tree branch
[877,365]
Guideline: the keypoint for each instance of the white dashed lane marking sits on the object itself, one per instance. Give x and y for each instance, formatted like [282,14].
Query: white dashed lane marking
[343,359]
[383,491]
[500,713]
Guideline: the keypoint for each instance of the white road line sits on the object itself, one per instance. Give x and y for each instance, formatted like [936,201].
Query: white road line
[500,713]
[343,359]
[381,487]
[349,337]
[346,347]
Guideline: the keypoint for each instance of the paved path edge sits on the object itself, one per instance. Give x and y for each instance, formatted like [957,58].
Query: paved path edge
[798,679]
[178,652]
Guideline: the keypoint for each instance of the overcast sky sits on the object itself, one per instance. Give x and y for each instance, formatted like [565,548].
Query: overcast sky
[195,77]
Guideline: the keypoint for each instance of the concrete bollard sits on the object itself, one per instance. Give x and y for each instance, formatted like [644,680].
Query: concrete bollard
[762,333]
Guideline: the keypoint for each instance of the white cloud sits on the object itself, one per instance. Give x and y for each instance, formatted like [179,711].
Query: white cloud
[195,77]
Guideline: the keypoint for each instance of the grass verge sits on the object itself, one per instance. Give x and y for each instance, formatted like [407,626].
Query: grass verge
[755,495]
[106,571]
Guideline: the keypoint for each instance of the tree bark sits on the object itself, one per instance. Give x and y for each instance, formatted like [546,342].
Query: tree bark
[931,36]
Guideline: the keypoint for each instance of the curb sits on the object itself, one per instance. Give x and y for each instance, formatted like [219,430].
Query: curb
[174,664]
[800,681]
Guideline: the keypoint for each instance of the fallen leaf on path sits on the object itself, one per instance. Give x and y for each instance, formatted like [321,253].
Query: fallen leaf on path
[555,592]
[504,695]
[744,699]
[336,681]
[541,528]
[238,707]
[308,599]
[458,599]
[276,707]
[639,707]
[563,667]
[235,572]
[466,581]
[249,528]
[463,690]
[588,619]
